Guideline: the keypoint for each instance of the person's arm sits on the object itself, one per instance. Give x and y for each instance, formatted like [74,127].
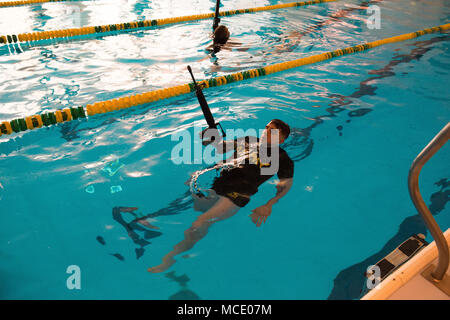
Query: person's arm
[225,146]
[283,187]
[285,175]
[260,214]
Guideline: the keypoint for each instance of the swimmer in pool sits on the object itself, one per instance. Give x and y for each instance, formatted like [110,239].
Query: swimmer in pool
[238,181]
[220,36]
[294,38]
[221,40]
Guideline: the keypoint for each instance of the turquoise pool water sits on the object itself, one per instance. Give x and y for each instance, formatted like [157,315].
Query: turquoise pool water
[358,122]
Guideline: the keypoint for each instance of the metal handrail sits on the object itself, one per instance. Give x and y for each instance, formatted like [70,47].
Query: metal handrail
[413,185]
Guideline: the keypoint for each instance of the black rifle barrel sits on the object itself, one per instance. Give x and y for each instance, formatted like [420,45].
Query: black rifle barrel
[203,104]
[216,17]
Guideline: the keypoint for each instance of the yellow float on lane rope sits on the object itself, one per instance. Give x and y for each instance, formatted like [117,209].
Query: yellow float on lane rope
[57,34]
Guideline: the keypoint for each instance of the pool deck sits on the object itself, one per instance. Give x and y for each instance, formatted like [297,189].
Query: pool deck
[408,281]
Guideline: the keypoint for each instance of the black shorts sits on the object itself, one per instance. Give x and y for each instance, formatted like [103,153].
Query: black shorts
[238,199]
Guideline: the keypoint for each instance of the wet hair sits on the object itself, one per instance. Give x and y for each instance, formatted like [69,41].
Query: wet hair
[221,35]
[282,126]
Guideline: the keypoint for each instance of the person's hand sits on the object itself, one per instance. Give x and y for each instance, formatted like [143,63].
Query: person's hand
[210,135]
[260,214]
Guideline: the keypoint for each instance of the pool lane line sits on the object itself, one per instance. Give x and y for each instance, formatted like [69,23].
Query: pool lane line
[134,25]
[26,2]
[68,114]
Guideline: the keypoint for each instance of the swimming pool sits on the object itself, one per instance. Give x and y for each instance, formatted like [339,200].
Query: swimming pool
[358,122]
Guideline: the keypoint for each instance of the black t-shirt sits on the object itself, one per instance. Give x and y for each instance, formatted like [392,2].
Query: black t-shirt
[246,177]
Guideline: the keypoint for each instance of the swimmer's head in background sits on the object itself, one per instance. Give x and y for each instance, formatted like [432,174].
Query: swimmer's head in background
[283,131]
[221,35]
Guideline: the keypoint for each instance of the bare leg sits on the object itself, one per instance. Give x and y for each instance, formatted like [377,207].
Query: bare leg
[223,209]
[205,203]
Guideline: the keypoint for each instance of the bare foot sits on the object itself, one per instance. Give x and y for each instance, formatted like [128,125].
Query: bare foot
[147,224]
[167,262]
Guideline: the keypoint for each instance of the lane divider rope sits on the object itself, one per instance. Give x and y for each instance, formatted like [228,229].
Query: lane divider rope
[65,33]
[69,114]
[26,2]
